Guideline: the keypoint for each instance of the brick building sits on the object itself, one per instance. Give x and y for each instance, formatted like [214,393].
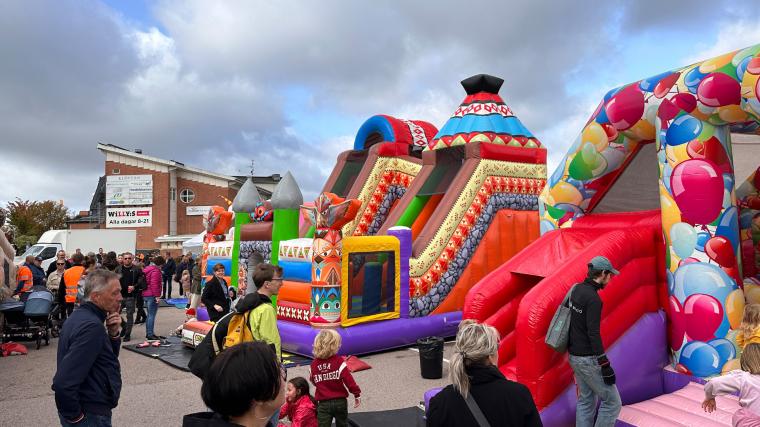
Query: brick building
[168,197]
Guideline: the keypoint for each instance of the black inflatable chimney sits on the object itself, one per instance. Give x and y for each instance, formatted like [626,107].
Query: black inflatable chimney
[482,83]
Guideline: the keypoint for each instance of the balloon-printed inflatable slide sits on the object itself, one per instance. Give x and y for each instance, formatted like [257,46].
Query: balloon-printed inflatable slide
[651,183]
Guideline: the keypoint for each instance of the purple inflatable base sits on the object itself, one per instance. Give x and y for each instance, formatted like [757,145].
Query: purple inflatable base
[371,337]
[638,358]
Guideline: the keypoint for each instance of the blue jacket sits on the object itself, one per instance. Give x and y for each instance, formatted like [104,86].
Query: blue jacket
[38,274]
[88,379]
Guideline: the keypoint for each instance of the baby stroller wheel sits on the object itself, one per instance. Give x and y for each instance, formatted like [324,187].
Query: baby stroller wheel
[47,336]
[39,340]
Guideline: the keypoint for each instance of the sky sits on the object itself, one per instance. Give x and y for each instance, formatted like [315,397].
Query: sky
[288,84]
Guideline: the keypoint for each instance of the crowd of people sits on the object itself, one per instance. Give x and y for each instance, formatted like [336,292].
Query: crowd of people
[245,382]
[145,280]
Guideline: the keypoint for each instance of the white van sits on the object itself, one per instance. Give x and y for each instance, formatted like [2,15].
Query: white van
[86,240]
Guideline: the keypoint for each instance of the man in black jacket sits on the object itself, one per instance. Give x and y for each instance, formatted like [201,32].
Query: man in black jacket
[593,373]
[167,273]
[132,284]
[87,382]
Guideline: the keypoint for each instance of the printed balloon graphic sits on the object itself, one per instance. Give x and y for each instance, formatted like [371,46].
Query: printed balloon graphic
[719,250]
[683,238]
[700,358]
[698,190]
[683,129]
[702,238]
[718,89]
[677,328]
[702,278]
[728,225]
[735,308]
[703,314]
[710,149]
[625,108]
[725,349]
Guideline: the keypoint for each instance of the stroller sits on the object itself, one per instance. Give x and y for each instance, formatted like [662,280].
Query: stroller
[31,319]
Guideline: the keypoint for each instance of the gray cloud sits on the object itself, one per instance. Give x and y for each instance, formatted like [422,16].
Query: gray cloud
[211,92]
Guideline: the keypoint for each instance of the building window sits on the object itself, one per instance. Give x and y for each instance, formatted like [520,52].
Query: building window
[115,171]
[187,195]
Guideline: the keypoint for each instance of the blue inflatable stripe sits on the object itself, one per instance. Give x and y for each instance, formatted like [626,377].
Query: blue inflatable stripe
[294,270]
[374,124]
[492,123]
[211,262]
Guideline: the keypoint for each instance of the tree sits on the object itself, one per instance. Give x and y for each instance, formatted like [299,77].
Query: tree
[29,219]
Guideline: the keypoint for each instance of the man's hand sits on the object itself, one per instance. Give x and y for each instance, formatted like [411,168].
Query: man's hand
[357,402]
[113,324]
[158,300]
[130,289]
[709,405]
[218,307]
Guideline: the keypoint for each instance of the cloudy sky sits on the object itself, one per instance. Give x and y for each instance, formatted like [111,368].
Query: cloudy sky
[215,84]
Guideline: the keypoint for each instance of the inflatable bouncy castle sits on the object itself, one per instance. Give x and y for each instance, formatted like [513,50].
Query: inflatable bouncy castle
[392,259]
[653,182]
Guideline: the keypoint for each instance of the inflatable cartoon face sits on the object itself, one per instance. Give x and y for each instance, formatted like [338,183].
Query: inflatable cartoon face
[325,303]
[262,212]
[326,261]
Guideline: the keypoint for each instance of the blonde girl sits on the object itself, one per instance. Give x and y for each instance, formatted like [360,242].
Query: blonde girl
[749,330]
[332,380]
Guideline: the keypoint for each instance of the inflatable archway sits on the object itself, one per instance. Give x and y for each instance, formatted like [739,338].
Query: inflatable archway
[689,114]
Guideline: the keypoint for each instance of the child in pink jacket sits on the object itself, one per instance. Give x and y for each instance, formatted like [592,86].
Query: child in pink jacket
[299,405]
[152,294]
[746,382]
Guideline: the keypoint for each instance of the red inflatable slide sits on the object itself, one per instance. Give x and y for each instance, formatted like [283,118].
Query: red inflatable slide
[520,297]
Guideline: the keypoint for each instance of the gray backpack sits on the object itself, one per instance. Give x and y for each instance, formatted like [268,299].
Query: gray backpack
[559,328]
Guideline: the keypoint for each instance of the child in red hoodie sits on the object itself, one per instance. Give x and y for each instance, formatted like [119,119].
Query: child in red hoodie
[299,405]
[331,377]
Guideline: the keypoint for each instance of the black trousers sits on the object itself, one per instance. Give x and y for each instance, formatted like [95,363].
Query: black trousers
[167,286]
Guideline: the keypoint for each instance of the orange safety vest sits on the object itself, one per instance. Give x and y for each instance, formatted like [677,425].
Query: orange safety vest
[24,274]
[71,278]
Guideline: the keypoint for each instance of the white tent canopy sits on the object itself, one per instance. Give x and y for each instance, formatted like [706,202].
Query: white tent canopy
[194,245]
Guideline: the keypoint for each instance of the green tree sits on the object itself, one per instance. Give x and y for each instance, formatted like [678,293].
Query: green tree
[29,219]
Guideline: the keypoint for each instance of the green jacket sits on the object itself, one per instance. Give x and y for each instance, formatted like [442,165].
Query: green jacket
[263,324]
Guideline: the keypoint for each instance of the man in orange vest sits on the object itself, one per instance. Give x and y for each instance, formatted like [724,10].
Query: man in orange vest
[67,292]
[24,277]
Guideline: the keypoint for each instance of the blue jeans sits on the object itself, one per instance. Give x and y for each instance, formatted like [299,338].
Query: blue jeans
[90,420]
[588,376]
[152,310]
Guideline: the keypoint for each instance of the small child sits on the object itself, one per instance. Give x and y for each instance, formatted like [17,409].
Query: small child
[746,382]
[749,330]
[299,405]
[331,377]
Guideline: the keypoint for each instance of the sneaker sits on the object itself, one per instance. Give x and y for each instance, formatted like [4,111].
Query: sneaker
[152,338]
[127,338]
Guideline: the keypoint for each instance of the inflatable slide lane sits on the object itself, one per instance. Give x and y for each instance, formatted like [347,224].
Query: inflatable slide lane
[378,170]
[650,184]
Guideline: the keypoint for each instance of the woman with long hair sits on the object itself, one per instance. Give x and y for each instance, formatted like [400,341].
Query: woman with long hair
[474,375]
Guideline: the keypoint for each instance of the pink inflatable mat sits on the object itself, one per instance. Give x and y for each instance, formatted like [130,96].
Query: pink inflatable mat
[680,408]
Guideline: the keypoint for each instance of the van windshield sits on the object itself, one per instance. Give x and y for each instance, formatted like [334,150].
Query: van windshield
[33,251]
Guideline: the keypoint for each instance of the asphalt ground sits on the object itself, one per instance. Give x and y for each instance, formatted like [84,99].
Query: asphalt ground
[154,393]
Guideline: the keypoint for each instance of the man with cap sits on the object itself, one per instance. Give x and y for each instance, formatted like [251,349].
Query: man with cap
[38,273]
[593,373]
